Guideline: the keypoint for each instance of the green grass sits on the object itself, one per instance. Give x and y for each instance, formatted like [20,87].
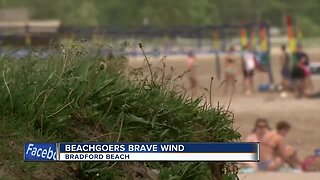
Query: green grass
[77,97]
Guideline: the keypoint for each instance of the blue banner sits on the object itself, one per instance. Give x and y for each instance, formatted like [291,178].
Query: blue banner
[139,147]
[40,151]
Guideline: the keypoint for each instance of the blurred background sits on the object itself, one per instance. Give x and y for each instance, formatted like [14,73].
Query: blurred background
[173,29]
[167,13]
[152,18]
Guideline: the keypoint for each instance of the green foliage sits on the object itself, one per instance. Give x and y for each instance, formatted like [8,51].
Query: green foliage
[166,12]
[191,170]
[172,13]
[76,97]
[309,27]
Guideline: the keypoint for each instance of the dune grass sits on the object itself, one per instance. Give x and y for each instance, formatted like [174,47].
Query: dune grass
[76,97]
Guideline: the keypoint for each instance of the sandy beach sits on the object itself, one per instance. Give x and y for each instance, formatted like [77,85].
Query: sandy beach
[303,114]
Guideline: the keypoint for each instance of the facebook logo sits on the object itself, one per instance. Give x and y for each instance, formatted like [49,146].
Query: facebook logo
[40,152]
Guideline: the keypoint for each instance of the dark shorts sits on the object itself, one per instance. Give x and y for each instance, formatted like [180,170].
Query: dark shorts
[298,73]
[249,73]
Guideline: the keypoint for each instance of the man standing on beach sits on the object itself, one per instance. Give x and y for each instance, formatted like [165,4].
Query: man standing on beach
[230,71]
[191,64]
[274,153]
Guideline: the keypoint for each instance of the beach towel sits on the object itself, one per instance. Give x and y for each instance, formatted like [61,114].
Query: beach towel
[311,163]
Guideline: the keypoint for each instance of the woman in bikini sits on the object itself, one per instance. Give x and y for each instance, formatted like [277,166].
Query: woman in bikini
[192,72]
[261,127]
[230,71]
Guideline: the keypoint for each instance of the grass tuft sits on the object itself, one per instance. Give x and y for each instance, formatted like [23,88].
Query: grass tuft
[76,97]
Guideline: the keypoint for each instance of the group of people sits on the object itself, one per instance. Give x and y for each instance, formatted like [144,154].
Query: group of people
[296,76]
[274,151]
[249,64]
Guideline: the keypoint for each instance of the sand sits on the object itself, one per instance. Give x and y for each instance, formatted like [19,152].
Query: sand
[303,114]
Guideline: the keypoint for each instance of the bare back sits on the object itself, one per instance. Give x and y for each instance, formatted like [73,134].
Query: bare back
[270,145]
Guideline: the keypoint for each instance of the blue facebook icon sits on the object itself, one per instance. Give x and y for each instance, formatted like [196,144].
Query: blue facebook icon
[40,152]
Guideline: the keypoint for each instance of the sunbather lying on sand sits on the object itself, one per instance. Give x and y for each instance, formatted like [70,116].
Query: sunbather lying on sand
[261,127]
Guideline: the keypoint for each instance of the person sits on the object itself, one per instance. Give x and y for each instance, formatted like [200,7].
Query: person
[192,70]
[230,71]
[306,73]
[261,127]
[298,78]
[248,64]
[301,53]
[303,56]
[285,70]
[274,153]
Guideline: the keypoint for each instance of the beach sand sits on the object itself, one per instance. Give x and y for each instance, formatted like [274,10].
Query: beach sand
[303,114]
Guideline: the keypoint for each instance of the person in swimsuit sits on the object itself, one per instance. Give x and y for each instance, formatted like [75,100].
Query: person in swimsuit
[307,75]
[192,72]
[261,128]
[248,64]
[230,71]
[302,56]
[274,153]
[298,76]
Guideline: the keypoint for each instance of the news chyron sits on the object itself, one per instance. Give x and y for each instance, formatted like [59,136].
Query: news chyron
[139,151]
